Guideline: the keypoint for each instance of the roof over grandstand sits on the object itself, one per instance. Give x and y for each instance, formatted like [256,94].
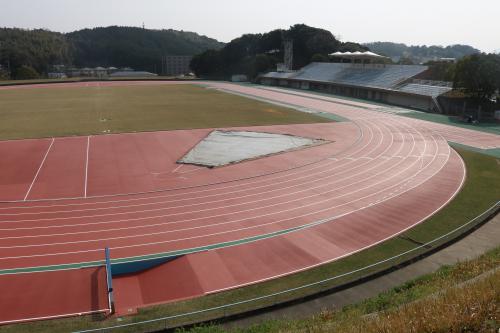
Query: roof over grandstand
[357,55]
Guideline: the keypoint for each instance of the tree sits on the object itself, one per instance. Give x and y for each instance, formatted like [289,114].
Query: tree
[26,73]
[4,75]
[262,63]
[112,46]
[208,63]
[439,71]
[308,41]
[318,57]
[421,53]
[252,54]
[478,74]
[352,47]
[405,61]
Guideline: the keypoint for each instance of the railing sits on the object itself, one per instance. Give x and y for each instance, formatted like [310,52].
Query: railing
[306,290]
[433,83]
[436,103]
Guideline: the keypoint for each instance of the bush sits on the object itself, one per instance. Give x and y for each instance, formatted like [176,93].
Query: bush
[26,73]
[4,75]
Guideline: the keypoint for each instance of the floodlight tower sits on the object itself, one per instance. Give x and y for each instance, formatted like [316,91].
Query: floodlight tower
[288,58]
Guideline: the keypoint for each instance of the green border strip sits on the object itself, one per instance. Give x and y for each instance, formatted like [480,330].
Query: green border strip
[490,152]
[163,255]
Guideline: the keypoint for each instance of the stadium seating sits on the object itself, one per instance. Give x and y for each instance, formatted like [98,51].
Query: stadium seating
[376,76]
[425,90]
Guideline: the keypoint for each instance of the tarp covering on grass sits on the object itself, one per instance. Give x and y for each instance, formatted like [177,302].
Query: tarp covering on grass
[226,147]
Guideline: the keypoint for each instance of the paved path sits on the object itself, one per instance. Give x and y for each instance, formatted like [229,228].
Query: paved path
[480,241]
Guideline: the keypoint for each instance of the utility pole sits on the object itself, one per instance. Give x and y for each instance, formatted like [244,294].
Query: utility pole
[288,43]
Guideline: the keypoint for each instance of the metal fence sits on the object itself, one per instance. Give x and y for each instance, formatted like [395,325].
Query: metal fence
[240,307]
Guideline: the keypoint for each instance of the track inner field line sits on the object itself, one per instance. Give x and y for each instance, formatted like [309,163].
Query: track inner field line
[387,186]
[39,169]
[86,167]
[250,181]
[299,228]
[392,176]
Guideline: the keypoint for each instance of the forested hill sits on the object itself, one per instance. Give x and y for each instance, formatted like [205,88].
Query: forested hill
[134,47]
[138,48]
[420,54]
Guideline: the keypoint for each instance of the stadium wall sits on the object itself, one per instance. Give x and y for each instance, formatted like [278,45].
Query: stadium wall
[393,97]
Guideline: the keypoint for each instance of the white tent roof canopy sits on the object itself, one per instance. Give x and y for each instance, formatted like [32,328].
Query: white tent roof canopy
[357,55]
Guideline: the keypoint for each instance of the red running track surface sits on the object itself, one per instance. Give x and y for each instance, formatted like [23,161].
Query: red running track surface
[380,175]
[50,295]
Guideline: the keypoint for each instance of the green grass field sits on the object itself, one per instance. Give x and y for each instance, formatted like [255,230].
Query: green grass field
[42,112]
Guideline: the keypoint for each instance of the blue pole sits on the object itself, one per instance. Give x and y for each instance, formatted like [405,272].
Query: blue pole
[109,277]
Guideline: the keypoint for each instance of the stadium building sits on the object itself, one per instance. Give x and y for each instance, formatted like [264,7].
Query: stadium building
[361,78]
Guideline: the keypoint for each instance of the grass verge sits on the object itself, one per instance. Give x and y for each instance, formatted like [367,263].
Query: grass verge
[481,190]
[459,298]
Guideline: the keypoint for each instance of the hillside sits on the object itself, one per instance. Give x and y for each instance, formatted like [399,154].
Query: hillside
[420,54]
[134,47]
[138,48]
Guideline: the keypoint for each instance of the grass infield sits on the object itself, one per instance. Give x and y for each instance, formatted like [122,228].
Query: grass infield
[481,190]
[68,111]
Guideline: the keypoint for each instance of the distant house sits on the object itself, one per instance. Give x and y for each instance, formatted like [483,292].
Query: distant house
[100,72]
[86,71]
[132,74]
[239,78]
[57,75]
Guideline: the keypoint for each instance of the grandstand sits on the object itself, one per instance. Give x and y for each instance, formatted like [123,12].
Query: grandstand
[392,84]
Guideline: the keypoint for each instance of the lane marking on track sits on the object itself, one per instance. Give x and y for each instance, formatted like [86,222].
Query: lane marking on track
[357,250]
[392,176]
[251,227]
[86,167]
[380,141]
[248,183]
[354,144]
[178,168]
[391,193]
[39,169]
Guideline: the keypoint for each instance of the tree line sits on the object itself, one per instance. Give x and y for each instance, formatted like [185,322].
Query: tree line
[252,54]
[33,52]
[417,54]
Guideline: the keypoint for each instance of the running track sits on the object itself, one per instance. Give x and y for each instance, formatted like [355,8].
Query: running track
[65,199]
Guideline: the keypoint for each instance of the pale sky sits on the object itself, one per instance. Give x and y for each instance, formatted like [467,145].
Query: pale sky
[436,22]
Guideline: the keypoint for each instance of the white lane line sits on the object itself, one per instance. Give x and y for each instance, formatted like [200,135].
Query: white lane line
[224,223]
[250,227]
[190,171]
[419,133]
[197,211]
[39,168]
[86,167]
[355,144]
[177,169]
[355,176]
[352,252]
[206,190]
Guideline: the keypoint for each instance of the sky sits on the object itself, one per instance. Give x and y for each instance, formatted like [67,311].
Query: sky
[419,22]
